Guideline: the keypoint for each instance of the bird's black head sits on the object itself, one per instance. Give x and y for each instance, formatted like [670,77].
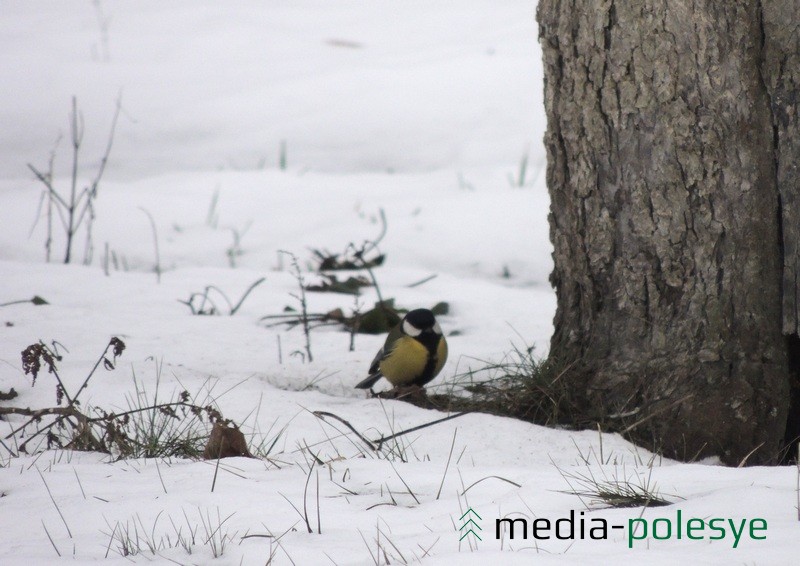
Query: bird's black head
[420,320]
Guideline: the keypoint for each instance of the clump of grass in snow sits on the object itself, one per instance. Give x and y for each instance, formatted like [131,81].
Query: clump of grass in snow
[150,427]
[262,444]
[520,179]
[385,551]
[132,537]
[161,429]
[519,385]
[635,490]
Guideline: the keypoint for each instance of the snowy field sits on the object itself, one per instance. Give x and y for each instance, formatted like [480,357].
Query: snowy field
[248,128]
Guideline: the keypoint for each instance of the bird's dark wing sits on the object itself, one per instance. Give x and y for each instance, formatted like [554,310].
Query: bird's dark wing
[374,372]
[374,367]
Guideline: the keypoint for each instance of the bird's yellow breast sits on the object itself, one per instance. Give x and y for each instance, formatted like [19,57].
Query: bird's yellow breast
[406,361]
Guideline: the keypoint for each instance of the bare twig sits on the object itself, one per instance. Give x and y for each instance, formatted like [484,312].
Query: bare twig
[246,293]
[423,281]
[322,414]
[157,268]
[76,136]
[303,305]
[37,414]
[380,442]
[356,323]
[47,195]
[367,247]
[77,208]
[213,309]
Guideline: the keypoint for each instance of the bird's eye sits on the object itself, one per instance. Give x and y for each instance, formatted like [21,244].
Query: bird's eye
[437,329]
[410,329]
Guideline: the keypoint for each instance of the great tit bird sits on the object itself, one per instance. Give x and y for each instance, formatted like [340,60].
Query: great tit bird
[413,354]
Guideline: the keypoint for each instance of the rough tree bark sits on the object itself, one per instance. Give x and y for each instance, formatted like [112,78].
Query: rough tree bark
[673,151]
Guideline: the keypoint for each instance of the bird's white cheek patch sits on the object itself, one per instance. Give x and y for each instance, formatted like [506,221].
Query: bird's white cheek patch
[409,329]
[437,329]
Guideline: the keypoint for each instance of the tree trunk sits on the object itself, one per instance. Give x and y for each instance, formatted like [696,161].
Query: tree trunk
[673,152]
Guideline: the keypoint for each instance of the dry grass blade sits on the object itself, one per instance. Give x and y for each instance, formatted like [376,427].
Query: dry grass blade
[447,466]
[50,494]
[322,414]
[382,440]
[515,484]
[408,489]
[50,539]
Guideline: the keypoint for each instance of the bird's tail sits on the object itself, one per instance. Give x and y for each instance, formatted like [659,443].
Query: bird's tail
[370,381]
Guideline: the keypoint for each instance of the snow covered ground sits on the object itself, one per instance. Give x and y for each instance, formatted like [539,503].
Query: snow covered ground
[422,110]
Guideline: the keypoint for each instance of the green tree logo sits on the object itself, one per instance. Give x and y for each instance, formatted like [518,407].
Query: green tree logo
[468,524]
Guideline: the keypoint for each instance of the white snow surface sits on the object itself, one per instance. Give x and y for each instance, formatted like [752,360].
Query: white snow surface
[421,110]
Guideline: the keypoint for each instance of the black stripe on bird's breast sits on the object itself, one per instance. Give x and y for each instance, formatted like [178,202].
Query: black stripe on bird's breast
[431,342]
